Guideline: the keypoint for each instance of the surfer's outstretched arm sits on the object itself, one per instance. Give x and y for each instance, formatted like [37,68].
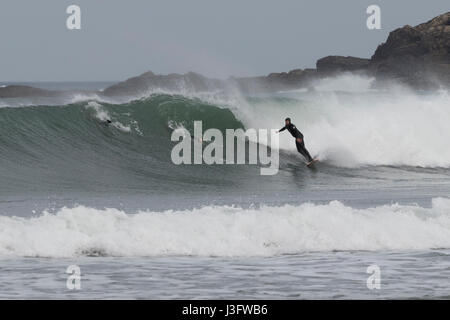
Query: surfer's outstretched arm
[282,129]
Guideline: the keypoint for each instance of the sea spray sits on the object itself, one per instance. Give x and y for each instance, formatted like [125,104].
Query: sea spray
[227,230]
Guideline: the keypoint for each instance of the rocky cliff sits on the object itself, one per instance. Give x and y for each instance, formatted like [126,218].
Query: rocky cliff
[332,65]
[417,56]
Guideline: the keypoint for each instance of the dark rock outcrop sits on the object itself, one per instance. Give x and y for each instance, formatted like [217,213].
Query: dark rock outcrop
[148,82]
[293,79]
[194,82]
[336,64]
[418,56]
[18,91]
[23,91]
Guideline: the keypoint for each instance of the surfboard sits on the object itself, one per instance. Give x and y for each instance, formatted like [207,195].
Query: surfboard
[311,163]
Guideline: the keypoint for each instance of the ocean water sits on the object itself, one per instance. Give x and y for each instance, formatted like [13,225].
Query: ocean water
[107,198]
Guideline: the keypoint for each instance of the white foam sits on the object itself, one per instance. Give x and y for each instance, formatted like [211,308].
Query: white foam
[227,231]
[346,82]
[395,127]
[103,115]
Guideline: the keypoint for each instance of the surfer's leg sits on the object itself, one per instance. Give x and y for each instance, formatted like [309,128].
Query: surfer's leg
[302,150]
[307,155]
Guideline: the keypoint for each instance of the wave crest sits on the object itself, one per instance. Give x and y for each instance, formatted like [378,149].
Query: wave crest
[227,231]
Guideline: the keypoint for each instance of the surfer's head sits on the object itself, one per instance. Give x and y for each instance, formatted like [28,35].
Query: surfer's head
[287,121]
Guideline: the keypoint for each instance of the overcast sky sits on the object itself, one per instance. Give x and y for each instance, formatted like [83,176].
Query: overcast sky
[120,39]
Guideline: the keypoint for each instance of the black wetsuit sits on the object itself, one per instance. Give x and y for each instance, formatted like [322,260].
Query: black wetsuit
[300,145]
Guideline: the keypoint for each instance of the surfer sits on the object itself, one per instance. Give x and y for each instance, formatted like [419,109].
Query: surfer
[299,142]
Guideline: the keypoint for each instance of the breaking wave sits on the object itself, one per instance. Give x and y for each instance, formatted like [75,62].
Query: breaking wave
[227,231]
[43,146]
[376,128]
